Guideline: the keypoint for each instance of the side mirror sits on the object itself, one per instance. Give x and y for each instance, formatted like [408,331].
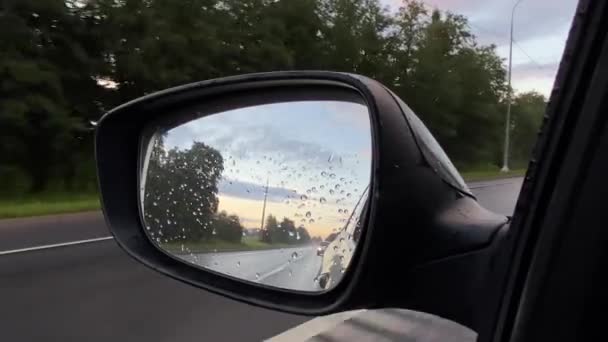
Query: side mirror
[305,192]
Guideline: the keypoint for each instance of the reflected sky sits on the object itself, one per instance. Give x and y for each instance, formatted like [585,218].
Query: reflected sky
[314,155]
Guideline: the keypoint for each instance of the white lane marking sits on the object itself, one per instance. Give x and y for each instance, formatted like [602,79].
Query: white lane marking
[63,244]
[278,269]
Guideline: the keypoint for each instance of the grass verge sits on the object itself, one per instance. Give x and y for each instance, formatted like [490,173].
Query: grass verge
[476,176]
[47,204]
[246,244]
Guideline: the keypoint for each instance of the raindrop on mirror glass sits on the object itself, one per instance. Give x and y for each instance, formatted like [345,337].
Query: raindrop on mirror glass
[340,211]
[333,175]
[238,264]
[335,248]
[323,173]
[303,197]
[331,192]
[308,214]
[294,255]
[257,276]
[322,200]
[348,194]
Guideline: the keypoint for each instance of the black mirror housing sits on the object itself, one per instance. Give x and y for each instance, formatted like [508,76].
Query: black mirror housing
[415,218]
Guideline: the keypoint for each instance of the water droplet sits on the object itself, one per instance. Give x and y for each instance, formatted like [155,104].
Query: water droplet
[323,173]
[213,232]
[322,187]
[290,273]
[331,157]
[333,175]
[308,191]
[257,276]
[337,186]
[154,204]
[294,255]
[335,248]
[303,197]
[340,211]
[238,264]
[346,211]
[322,200]
[331,192]
[348,194]
[341,240]
[311,221]
[342,270]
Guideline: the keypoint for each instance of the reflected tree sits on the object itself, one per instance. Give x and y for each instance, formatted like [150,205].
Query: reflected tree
[284,232]
[181,189]
[227,227]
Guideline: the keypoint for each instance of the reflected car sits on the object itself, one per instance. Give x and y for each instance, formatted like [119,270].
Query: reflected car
[339,251]
[322,247]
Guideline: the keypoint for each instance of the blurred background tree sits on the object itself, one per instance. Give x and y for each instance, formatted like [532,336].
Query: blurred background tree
[65,62]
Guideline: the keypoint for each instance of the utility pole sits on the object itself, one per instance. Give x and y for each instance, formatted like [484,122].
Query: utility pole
[264,206]
[505,157]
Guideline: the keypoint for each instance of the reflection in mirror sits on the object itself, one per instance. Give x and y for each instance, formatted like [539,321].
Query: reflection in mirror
[273,193]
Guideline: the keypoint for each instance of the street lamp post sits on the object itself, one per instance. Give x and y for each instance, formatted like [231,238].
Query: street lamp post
[505,157]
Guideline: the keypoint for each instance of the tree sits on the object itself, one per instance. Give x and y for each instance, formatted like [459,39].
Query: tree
[527,115]
[181,188]
[47,55]
[303,235]
[227,227]
[269,230]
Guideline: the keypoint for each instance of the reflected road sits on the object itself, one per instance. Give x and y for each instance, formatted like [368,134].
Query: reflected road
[292,268]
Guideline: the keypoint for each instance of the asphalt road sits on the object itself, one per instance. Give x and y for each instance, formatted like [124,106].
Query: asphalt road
[291,268]
[95,292]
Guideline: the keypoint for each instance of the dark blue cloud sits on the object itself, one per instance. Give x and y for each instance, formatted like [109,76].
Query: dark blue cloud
[254,191]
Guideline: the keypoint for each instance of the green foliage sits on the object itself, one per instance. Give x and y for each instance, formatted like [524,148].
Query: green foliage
[228,227]
[284,232]
[180,198]
[57,55]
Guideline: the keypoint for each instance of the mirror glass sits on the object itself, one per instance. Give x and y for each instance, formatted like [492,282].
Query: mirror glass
[273,194]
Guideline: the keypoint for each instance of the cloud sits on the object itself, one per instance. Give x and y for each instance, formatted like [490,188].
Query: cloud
[253,191]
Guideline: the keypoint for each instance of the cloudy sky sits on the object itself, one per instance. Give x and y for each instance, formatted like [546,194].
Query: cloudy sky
[540,32]
[315,156]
